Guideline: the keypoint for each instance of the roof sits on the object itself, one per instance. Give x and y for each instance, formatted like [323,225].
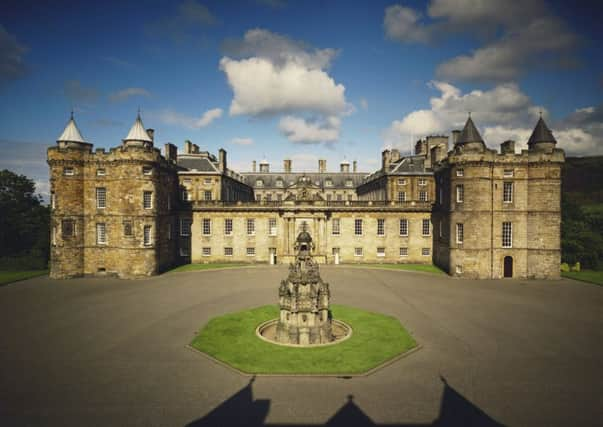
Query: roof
[138,132]
[541,133]
[338,179]
[202,164]
[469,133]
[408,165]
[71,132]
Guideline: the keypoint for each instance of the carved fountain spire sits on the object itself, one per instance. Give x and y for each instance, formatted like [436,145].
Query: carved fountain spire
[304,298]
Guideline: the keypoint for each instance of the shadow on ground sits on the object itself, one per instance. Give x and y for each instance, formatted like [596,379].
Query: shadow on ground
[242,410]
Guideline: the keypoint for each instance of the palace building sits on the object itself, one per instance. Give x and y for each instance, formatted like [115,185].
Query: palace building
[475,212]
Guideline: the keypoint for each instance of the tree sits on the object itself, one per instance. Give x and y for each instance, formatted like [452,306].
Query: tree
[24,221]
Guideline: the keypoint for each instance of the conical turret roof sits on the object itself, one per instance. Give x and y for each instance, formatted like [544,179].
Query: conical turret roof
[138,132]
[541,133]
[71,132]
[469,133]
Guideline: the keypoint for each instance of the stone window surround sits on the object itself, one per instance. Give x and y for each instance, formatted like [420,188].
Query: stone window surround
[206,226]
[425,252]
[403,227]
[251,226]
[228,226]
[380,251]
[147,235]
[228,251]
[422,182]
[147,199]
[423,196]
[401,196]
[67,228]
[425,228]
[460,231]
[206,251]
[507,234]
[272,227]
[358,227]
[250,251]
[380,227]
[101,197]
[336,227]
[128,229]
[207,195]
[460,193]
[185,227]
[403,251]
[358,252]
[460,172]
[507,192]
[68,171]
[101,233]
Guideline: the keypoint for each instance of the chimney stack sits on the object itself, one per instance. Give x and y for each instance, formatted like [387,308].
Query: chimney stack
[222,160]
[188,147]
[345,166]
[322,165]
[264,166]
[253,166]
[151,133]
[170,152]
[507,147]
[287,165]
[195,149]
[455,136]
[385,159]
[355,166]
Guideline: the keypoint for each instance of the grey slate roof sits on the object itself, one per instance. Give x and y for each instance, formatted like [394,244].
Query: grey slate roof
[201,164]
[408,165]
[337,178]
[541,133]
[469,133]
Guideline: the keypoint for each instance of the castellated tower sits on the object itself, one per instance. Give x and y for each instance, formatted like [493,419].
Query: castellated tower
[112,212]
[499,214]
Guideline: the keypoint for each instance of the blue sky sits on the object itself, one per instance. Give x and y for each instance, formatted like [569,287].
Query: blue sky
[298,79]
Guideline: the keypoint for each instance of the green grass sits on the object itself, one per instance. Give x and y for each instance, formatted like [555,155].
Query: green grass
[14,276]
[426,268]
[375,339]
[590,276]
[195,267]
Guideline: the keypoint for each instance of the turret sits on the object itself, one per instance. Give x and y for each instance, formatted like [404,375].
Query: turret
[542,138]
[470,139]
[138,136]
[72,138]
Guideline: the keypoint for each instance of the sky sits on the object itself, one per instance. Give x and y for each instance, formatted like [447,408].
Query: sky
[304,80]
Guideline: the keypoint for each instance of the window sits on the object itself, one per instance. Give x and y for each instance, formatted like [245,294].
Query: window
[358,227]
[147,170]
[207,181]
[403,227]
[184,251]
[206,226]
[207,195]
[459,233]
[328,182]
[279,197]
[250,251]
[401,181]
[349,183]
[380,252]
[459,269]
[422,182]
[100,172]
[357,251]
[272,226]
[258,197]
[250,226]
[259,183]
[228,226]
[186,196]
[228,251]
[269,197]
[101,198]
[68,171]
[380,227]
[206,251]
[336,231]
[460,172]
[279,183]
[339,197]
[401,196]
[185,227]
[53,235]
[52,201]
[403,251]
[507,235]
[67,229]
[128,229]
[147,235]
[329,197]
[508,192]
[508,173]
[425,228]
[460,193]
[101,234]
[425,251]
[422,196]
[147,199]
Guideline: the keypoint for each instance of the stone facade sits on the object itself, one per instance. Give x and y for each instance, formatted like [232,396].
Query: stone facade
[162,210]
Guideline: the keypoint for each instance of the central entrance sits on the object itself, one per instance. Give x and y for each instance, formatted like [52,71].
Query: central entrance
[508,266]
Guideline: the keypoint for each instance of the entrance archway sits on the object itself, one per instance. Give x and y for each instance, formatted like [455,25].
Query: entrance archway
[508,266]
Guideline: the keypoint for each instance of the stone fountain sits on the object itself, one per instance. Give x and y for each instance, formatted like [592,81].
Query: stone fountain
[304,315]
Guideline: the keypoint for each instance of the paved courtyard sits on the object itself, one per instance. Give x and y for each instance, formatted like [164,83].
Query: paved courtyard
[113,352]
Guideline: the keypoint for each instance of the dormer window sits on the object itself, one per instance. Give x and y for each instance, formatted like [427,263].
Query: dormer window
[349,183]
[279,182]
[328,183]
[259,183]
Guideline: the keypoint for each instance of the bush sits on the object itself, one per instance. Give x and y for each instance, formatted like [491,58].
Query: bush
[565,267]
[576,266]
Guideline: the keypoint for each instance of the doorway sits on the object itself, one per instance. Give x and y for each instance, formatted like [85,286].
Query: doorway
[508,266]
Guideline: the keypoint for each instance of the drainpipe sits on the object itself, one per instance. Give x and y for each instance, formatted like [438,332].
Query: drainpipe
[491,221]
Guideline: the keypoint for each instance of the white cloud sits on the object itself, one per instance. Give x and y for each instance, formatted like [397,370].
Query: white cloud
[241,141]
[519,34]
[273,75]
[297,129]
[501,113]
[172,117]
[122,95]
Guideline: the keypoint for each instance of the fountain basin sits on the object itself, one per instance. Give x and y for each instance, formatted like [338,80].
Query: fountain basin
[267,331]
